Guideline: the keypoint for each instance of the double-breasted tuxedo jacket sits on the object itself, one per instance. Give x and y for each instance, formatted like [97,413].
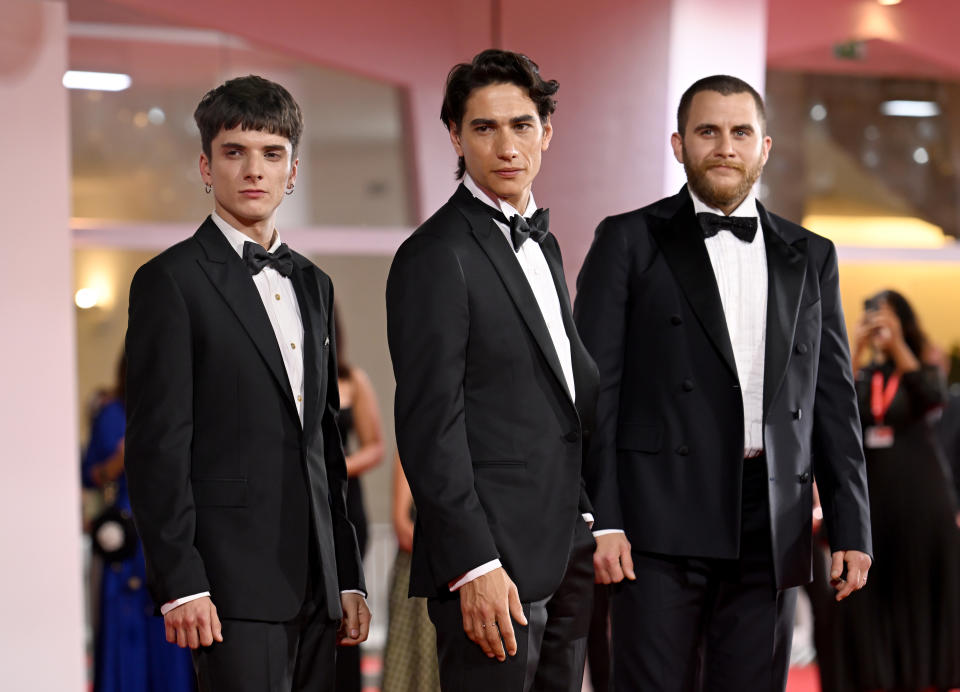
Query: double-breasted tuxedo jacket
[231,494]
[666,460]
[488,433]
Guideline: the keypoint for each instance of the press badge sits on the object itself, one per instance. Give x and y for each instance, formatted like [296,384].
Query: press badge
[878,437]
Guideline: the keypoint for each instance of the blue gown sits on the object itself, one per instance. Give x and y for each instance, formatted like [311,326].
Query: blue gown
[132,653]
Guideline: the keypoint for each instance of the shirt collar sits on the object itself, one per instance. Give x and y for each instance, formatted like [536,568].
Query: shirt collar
[236,238]
[508,209]
[747,208]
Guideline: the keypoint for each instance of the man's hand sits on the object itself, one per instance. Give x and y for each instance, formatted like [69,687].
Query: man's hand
[612,559]
[355,625]
[193,624]
[858,564]
[487,604]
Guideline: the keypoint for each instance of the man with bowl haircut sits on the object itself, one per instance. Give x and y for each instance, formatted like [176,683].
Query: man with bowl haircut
[235,466]
[494,396]
[726,388]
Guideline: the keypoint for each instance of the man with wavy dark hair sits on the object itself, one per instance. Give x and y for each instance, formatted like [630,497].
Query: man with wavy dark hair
[494,396]
[234,462]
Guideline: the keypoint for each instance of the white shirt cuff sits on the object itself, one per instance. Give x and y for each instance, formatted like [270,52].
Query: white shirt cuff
[604,532]
[170,605]
[587,517]
[474,573]
[356,591]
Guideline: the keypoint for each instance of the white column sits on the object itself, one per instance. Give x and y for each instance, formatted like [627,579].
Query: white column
[706,38]
[41,612]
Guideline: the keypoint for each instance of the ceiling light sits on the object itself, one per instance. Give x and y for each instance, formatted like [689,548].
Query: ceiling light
[818,112]
[921,156]
[889,2]
[96,81]
[910,109]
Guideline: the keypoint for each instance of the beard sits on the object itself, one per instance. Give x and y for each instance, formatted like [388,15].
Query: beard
[725,195]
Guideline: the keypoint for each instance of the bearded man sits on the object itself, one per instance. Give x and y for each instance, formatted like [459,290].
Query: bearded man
[726,389]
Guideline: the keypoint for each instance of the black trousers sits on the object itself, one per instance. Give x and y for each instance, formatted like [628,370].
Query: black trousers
[294,656]
[691,624]
[551,649]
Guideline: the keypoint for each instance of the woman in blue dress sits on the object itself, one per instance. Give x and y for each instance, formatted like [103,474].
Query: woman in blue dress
[131,654]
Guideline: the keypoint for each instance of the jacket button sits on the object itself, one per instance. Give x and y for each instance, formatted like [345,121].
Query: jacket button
[798,414]
[736,386]
[803,477]
[572,436]
[687,385]
[801,349]
[683,450]
[676,320]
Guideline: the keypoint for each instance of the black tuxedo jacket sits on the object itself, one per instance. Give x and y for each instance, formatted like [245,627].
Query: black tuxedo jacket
[667,455]
[224,481]
[488,434]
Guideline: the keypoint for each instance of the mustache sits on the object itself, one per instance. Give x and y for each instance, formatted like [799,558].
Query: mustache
[727,164]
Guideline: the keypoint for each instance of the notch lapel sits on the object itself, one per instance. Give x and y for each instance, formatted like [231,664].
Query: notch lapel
[230,277]
[504,260]
[681,241]
[786,272]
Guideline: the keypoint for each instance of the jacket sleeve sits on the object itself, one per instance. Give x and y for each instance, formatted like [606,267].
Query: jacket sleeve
[600,312]
[159,433]
[428,322]
[839,465]
[349,563]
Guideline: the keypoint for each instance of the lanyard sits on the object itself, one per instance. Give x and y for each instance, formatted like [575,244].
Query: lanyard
[881,397]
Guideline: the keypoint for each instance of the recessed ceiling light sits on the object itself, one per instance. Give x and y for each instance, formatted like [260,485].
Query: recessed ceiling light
[889,2]
[96,81]
[910,109]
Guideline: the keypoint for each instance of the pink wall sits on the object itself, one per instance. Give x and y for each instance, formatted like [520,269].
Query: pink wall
[41,635]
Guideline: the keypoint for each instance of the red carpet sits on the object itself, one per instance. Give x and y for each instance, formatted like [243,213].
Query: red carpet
[803,679]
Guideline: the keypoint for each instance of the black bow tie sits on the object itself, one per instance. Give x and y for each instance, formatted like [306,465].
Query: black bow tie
[257,258]
[744,227]
[536,227]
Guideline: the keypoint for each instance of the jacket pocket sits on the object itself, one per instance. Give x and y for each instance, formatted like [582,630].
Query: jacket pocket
[220,492]
[638,438]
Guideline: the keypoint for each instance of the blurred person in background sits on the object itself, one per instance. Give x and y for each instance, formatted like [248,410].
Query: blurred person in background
[949,425]
[904,632]
[410,656]
[359,421]
[131,653]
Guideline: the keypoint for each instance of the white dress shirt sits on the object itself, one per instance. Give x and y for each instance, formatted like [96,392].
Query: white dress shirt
[741,272]
[283,310]
[535,268]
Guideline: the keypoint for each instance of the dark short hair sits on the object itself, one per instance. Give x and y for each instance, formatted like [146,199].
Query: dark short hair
[494,66]
[253,103]
[724,85]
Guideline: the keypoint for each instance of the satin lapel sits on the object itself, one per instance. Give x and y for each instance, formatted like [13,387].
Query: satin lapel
[496,247]
[578,352]
[230,277]
[313,318]
[786,271]
[681,241]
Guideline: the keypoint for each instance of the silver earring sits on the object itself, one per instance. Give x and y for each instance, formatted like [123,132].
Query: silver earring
[289,189]
[207,187]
